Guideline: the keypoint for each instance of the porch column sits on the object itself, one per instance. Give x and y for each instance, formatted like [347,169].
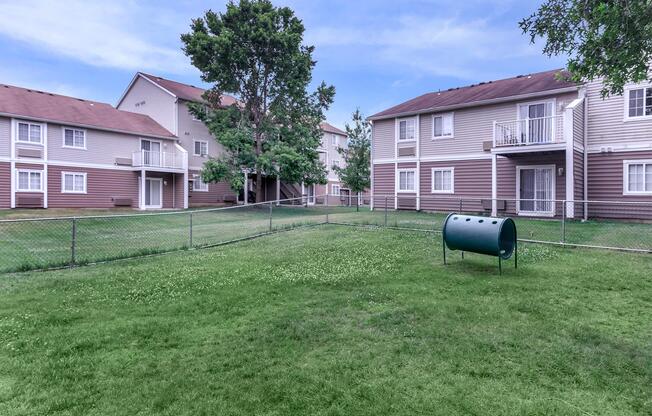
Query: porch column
[303,193]
[246,188]
[185,189]
[494,185]
[142,189]
[569,171]
[278,190]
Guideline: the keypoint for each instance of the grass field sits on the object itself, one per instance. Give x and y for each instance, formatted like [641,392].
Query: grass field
[331,320]
[48,243]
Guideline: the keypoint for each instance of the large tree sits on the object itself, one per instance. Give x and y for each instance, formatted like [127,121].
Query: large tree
[609,39]
[255,51]
[356,172]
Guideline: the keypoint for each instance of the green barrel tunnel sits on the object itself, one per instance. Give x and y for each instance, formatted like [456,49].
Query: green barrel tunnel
[485,235]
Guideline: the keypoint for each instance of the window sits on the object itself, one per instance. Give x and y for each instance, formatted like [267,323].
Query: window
[73,182]
[407,129]
[336,163]
[443,180]
[442,125]
[638,177]
[200,185]
[29,133]
[74,138]
[334,139]
[201,148]
[335,190]
[640,102]
[194,117]
[29,181]
[406,181]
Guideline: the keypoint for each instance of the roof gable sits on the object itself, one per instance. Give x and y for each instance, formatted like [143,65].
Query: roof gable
[184,91]
[329,128]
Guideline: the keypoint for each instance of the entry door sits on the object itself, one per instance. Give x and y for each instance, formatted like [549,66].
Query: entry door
[536,190]
[154,193]
[311,194]
[151,152]
[536,124]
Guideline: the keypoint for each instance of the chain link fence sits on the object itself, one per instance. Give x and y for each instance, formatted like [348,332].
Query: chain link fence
[38,243]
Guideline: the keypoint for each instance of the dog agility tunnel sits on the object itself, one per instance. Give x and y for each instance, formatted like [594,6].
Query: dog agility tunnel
[484,235]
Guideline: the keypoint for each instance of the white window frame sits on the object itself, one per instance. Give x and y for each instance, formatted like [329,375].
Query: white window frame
[443,136]
[335,189]
[398,181]
[194,117]
[432,180]
[626,164]
[29,182]
[398,129]
[194,147]
[29,124]
[333,139]
[628,90]
[553,197]
[63,182]
[203,185]
[73,129]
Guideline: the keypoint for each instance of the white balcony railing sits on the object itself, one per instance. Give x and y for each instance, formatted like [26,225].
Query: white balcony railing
[529,131]
[166,160]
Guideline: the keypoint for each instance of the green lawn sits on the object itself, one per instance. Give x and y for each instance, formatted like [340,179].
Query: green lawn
[48,243]
[331,320]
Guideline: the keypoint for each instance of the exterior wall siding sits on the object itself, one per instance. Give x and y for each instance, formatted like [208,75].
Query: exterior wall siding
[191,130]
[471,183]
[606,121]
[383,136]
[5,186]
[103,186]
[215,195]
[146,98]
[5,137]
[578,168]
[578,126]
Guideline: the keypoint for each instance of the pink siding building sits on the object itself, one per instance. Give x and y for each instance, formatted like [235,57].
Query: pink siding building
[515,146]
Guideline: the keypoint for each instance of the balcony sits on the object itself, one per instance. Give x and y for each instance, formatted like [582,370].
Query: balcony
[160,160]
[529,132]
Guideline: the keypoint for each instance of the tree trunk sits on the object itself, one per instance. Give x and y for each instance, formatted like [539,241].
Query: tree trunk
[259,187]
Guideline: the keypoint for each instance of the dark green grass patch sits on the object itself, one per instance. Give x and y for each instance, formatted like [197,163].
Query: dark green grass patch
[331,321]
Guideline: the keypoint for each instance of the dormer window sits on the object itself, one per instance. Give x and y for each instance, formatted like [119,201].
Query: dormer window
[407,129]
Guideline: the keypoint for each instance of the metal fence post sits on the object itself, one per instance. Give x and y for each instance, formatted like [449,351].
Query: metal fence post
[385,210]
[73,243]
[190,231]
[563,221]
[270,217]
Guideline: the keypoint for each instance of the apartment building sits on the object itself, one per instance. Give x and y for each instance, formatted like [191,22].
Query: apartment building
[332,139]
[515,146]
[58,151]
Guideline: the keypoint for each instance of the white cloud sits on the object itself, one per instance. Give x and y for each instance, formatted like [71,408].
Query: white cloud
[436,46]
[118,34]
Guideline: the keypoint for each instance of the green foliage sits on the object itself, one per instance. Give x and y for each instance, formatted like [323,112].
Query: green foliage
[356,172]
[255,52]
[603,39]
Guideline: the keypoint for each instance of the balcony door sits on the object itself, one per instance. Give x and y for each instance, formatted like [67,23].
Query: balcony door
[153,193]
[151,152]
[536,122]
[536,190]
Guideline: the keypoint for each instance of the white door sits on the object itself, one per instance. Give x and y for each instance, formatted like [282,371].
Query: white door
[536,123]
[151,152]
[153,193]
[536,190]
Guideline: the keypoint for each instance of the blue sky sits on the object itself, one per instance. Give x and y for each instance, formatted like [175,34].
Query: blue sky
[376,53]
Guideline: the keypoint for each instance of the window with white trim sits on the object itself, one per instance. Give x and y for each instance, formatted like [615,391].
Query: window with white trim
[638,177]
[201,148]
[443,180]
[639,102]
[29,181]
[407,129]
[29,132]
[73,182]
[199,185]
[74,138]
[406,181]
[334,139]
[335,190]
[336,163]
[442,125]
